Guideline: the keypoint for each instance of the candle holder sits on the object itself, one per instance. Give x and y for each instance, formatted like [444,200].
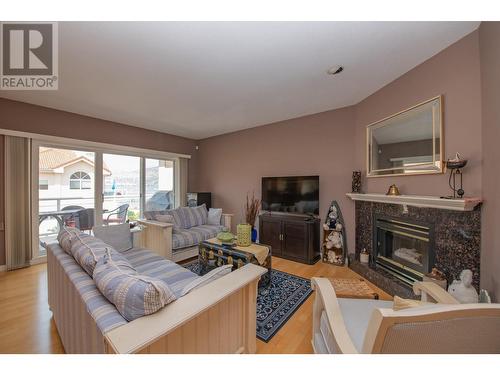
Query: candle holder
[455,166]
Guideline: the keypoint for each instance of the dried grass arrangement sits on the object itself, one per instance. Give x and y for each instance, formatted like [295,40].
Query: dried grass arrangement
[252,210]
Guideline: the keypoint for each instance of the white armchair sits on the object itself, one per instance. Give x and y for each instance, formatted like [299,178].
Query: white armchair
[342,325]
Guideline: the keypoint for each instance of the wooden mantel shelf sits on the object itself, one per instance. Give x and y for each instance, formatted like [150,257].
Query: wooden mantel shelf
[466,204]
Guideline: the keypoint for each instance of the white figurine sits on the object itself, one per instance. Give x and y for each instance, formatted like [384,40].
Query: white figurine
[462,289]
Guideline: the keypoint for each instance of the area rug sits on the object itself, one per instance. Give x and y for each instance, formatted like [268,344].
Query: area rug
[276,302]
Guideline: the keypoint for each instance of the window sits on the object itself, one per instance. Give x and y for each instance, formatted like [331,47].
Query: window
[43,185]
[80,181]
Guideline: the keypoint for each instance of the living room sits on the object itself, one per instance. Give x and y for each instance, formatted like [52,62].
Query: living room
[252,203]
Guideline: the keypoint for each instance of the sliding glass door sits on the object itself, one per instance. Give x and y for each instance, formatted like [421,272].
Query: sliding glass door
[65,192]
[159,177]
[121,188]
[82,188]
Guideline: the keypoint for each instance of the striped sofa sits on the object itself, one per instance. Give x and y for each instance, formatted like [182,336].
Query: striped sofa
[178,237]
[88,323]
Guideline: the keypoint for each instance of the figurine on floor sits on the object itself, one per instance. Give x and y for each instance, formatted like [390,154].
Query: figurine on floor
[462,289]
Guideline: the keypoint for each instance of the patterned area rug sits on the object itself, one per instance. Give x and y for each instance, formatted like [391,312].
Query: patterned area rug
[277,302]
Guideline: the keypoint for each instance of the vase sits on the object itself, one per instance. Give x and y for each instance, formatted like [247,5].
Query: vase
[243,232]
[254,234]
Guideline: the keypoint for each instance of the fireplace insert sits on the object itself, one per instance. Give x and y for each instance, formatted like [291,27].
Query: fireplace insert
[403,248]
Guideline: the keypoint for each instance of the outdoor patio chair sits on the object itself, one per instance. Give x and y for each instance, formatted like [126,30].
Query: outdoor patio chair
[85,219]
[71,220]
[344,325]
[116,216]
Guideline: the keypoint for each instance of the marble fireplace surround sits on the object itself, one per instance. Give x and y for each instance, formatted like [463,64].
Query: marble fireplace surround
[457,241]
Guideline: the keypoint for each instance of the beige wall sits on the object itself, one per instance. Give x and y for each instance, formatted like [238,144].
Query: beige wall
[231,165]
[489,41]
[454,73]
[35,119]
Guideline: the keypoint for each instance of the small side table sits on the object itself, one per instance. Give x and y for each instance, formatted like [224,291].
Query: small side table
[136,234]
[352,288]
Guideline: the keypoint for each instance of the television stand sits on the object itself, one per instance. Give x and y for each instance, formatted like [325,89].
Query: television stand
[291,236]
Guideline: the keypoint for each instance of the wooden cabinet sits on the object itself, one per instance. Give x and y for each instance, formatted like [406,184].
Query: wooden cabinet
[293,237]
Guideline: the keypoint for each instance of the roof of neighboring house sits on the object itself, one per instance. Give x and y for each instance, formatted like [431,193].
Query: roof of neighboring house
[53,158]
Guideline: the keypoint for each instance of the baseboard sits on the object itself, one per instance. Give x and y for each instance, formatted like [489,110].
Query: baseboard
[39,260]
[3,268]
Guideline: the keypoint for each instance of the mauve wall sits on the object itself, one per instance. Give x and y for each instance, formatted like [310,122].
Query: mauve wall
[2,206]
[454,73]
[35,119]
[231,165]
[489,42]
[332,144]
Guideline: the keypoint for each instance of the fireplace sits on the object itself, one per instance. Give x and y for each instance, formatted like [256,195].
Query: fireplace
[403,248]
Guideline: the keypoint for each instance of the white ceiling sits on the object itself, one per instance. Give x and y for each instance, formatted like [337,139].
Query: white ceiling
[200,79]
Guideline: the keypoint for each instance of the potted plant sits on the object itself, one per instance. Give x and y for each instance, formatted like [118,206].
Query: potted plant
[251,211]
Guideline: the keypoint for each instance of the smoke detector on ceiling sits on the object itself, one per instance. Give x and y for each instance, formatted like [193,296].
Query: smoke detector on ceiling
[335,70]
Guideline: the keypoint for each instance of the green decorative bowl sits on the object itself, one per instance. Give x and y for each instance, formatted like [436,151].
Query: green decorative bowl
[226,237]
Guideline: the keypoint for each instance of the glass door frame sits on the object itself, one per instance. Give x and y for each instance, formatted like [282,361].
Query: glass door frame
[98,179]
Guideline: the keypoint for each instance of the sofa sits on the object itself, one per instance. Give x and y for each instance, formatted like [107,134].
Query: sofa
[195,322]
[175,234]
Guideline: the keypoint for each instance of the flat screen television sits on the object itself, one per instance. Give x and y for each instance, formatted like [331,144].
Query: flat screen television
[298,195]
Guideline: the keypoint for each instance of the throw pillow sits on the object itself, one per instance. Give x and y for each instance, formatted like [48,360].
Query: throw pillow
[402,303]
[164,218]
[116,236]
[214,216]
[193,216]
[64,238]
[87,250]
[213,275]
[133,295]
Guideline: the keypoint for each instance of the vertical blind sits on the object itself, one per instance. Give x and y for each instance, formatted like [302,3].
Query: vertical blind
[183,183]
[17,202]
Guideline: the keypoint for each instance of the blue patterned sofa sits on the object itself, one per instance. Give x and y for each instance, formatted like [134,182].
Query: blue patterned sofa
[87,322]
[175,234]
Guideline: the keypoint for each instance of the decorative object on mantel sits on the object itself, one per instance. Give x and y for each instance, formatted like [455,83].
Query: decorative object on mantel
[364,256]
[462,289]
[437,277]
[251,211]
[334,238]
[356,181]
[393,190]
[465,204]
[455,166]
[243,234]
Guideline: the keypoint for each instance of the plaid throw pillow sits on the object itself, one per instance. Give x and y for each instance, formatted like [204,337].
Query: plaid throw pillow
[134,295]
[193,216]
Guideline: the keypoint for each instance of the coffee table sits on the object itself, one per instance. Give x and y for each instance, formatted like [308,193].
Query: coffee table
[212,253]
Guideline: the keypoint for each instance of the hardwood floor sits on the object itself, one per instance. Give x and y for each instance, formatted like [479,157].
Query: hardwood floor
[25,319]
[26,325]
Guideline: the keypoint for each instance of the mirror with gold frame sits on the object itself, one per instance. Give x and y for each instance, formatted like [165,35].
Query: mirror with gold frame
[407,143]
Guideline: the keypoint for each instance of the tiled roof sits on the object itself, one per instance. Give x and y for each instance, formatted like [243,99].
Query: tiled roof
[52,158]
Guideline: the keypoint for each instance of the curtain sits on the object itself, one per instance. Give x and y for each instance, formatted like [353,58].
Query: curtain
[183,183]
[17,202]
